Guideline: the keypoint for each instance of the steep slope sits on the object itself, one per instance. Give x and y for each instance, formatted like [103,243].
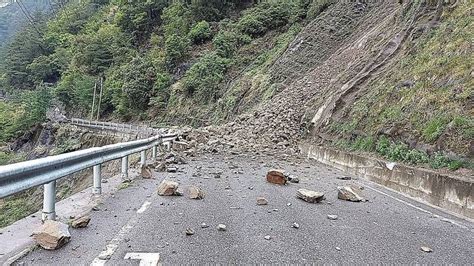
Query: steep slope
[340,60]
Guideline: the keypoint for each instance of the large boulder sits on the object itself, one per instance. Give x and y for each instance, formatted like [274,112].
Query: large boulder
[167,188]
[52,235]
[276,177]
[350,193]
[309,195]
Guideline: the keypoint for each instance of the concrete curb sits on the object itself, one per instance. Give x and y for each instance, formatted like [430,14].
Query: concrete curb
[452,193]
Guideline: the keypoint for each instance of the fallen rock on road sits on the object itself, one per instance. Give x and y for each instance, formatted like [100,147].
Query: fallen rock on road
[195,193]
[262,201]
[309,195]
[81,222]
[276,177]
[52,235]
[349,193]
[146,172]
[167,188]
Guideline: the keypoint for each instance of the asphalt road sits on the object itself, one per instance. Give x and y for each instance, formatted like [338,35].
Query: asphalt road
[389,228]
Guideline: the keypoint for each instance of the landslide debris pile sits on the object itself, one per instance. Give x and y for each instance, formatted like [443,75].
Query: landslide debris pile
[333,64]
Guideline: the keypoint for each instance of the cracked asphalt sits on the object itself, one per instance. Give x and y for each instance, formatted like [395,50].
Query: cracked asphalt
[388,228]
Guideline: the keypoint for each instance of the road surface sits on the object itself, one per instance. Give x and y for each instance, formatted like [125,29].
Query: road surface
[388,228]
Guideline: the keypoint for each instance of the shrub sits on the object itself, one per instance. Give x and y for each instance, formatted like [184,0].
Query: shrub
[265,16]
[176,47]
[204,76]
[225,43]
[200,33]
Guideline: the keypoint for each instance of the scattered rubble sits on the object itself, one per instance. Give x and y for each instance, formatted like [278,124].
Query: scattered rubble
[276,177]
[262,201]
[52,235]
[309,195]
[349,193]
[167,188]
[81,222]
[195,193]
[160,166]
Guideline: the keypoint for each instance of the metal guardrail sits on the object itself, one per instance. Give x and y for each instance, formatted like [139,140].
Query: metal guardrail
[114,126]
[21,176]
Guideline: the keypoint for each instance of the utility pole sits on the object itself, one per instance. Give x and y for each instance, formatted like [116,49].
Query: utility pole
[93,101]
[100,97]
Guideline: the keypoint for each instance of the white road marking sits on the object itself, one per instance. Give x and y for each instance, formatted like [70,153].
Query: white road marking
[113,244]
[143,207]
[416,207]
[146,259]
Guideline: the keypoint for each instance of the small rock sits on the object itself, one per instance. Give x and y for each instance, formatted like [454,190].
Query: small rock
[52,235]
[276,177]
[189,232]
[171,169]
[195,193]
[350,193]
[332,217]
[295,225]
[338,248]
[167,188]
[221,227]
[293,179]
[95,208]
[268,237]
[426,249]
[288,204]
[104,181]
[160,167]
[262,201]
[309,195]
[81,222]
[344,177]
[204,225]
[146,172]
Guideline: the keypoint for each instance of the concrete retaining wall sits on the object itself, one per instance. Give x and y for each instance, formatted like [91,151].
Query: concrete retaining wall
[452,193]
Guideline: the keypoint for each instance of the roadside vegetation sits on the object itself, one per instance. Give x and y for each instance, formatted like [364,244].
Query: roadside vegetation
[420,111]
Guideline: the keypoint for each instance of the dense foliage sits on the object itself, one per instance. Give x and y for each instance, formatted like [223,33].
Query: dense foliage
[138,50]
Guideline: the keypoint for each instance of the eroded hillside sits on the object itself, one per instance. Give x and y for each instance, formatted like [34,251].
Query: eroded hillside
[389,78]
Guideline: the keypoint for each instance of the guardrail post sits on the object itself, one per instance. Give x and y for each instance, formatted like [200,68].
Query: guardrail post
[49,201]
[153,152]
[97,188]
[142,158]
[125,168]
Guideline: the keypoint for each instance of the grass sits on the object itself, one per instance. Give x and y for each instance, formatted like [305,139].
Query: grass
[14,209]
[400,152]
[439,64]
